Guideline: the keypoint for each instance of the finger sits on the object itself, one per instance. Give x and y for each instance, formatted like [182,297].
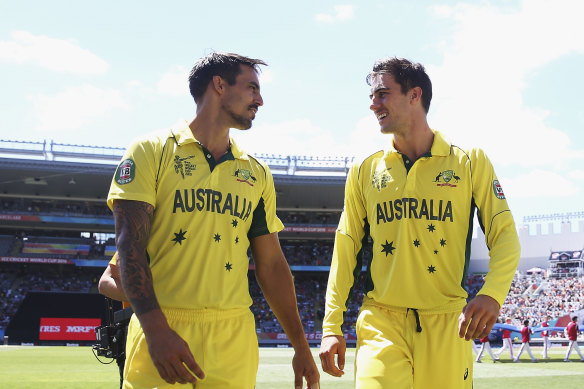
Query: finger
[164,373]
[192,365]
[297,379]
[313,377]
[341,356]
[328,364]
[480,330]
[325,363]
[183,374]
[487,328]
[462,325]
[323,360]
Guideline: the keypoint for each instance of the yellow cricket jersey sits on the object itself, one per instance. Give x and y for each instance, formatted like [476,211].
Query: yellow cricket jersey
[419,217]
[205,214]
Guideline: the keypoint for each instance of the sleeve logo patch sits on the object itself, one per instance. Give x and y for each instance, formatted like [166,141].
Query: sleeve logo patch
[498,189]
[126,172]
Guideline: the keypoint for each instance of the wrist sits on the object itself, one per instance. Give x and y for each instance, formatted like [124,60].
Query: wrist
[153,321]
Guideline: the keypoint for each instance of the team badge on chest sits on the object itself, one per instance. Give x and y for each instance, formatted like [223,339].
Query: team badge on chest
[447,178]
[244,175]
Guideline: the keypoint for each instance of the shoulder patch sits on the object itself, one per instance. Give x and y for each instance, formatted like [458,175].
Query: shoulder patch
[498,189]
[126,172]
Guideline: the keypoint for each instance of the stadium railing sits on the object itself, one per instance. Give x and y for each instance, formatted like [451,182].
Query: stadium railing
[50,151]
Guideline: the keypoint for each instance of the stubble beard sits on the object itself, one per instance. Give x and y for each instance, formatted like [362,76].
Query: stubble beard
[241,122]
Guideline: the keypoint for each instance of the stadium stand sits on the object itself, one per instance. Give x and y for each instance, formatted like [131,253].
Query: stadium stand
[56,236]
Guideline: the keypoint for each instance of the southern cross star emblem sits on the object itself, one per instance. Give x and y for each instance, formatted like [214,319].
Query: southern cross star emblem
[217,237]
[387,248]
[431,269]
[179,237]
[431,227]
[417,243]
[442,242]
[228,266]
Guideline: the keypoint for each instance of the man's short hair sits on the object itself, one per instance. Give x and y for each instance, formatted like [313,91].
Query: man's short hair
[575,318]
[407,74]
[225,65]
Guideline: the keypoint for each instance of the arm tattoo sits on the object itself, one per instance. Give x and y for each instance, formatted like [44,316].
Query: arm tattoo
[133,220]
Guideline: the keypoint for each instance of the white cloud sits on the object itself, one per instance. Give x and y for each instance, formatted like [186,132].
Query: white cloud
[341,13]
[366,138]
[539,184]
[74,107]
[577,175]
[294,137]
[266,76]
[175,82]
[53,54]
[302,137]
[478,87]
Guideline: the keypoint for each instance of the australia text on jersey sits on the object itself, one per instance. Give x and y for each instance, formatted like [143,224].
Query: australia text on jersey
[187,200]
[412,208]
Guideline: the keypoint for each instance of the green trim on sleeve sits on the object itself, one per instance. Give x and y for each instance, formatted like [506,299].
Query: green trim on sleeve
[259,223]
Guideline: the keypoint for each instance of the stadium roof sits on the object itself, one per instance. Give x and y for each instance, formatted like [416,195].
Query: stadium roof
[58,171]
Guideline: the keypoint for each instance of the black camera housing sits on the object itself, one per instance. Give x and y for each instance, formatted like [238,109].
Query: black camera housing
[111,340]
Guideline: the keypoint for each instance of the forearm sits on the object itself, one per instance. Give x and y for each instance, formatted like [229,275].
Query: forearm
[110,288]
[133,220]
[344,266]
[277,285]
[504,252]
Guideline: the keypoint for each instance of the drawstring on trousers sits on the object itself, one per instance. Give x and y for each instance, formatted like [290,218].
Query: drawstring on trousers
[418,326]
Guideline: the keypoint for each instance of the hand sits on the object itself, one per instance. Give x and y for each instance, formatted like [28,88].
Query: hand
[331,345]
[478,317]
[304,366]
[171,356]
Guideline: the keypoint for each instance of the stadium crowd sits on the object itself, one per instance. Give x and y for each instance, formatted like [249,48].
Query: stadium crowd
[531,297]
[53,207]
[535,297]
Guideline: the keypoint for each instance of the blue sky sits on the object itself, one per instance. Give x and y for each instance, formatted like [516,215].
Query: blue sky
[507,77]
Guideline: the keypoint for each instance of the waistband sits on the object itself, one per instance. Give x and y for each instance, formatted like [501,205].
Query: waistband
[451,307]
[203,315]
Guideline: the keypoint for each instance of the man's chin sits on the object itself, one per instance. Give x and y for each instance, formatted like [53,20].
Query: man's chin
[243,127]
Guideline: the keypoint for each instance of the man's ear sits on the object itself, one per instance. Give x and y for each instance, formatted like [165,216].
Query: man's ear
[415,93]
[218,84]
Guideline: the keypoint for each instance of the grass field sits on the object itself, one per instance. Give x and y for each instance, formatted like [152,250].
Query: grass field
[76,367]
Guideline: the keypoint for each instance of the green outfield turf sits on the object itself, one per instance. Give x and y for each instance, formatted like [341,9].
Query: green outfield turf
[76,367]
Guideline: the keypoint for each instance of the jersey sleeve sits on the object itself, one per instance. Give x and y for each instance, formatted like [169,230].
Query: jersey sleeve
[498,225]
[114,259]
[348,245]
[135,176]
[264,219]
